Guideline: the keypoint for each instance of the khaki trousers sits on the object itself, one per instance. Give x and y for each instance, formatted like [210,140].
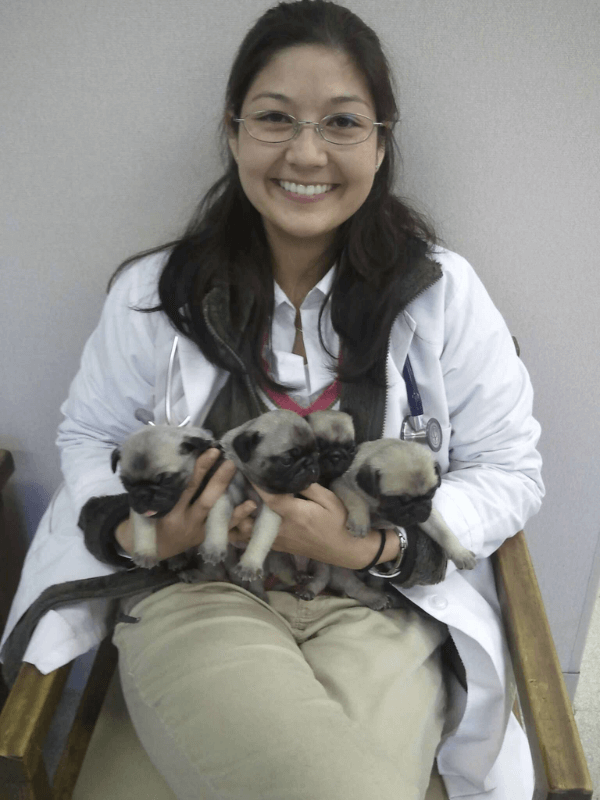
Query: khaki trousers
[233,698]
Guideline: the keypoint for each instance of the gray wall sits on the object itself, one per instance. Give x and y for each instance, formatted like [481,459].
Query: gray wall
[108,139]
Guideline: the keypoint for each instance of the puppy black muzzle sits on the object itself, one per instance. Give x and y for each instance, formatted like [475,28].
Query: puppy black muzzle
[402,512]
[296,478]
[159,499]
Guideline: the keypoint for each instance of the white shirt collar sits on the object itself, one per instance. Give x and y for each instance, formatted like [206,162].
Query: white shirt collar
[314,297]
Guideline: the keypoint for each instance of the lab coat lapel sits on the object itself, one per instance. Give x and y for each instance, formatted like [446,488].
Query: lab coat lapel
[397,402]
[194,381]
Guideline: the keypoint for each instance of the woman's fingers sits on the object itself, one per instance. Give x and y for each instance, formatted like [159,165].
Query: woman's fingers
[201,468]
[285,502]
[242,513]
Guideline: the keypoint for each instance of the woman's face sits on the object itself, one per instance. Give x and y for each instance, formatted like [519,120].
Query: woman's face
[308,82]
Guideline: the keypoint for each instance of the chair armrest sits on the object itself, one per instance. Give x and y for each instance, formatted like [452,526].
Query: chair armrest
[24,723]
[547,711]
[26,718]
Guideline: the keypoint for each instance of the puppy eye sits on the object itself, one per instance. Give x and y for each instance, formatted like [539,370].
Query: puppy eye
[286,461]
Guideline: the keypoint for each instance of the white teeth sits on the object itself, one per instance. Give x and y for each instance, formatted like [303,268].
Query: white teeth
[298,188]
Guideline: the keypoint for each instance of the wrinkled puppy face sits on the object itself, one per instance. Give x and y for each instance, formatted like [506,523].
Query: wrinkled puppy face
[279,453]
[334,432]
[398,506]
[156,464]
[334,458]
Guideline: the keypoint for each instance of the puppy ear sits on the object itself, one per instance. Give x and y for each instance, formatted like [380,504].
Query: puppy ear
[438,472]
[115,458]
[193,444]
[368,480]
[245,444]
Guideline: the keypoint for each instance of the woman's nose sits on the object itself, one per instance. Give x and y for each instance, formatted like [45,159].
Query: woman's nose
[308,148]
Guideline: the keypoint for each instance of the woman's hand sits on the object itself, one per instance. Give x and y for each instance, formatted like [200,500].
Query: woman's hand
[183,527]
[315,527]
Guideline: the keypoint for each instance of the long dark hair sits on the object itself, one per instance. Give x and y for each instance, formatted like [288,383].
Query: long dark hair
[225,241]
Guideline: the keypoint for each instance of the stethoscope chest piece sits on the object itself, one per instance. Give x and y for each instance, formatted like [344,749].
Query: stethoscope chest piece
[415,430]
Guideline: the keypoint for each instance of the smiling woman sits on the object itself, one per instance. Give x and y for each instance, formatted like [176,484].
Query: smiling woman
[306,187]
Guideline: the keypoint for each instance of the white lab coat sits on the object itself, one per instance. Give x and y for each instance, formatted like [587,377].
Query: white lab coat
[470,379]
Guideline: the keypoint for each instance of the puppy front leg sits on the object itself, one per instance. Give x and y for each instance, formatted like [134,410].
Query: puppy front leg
[214,547]
[435,527]
[266,528]
[316,582]
[358,522]
[145,552]
[345,580]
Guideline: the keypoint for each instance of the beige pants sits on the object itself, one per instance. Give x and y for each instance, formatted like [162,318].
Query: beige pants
[233,698]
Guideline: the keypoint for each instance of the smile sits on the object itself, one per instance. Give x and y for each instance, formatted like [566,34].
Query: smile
[310,190]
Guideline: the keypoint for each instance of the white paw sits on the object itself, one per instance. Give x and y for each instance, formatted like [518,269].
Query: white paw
[464,559]
[212,555]
[247,573]
[144,560]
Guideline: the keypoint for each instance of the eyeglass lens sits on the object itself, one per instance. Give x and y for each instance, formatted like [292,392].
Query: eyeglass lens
[271,126]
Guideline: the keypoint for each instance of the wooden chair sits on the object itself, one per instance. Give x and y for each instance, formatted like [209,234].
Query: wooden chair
[561,769]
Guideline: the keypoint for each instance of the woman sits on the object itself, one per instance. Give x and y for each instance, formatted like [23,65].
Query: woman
[302,276]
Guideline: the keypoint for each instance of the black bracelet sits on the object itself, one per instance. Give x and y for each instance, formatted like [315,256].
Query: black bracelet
[379,552]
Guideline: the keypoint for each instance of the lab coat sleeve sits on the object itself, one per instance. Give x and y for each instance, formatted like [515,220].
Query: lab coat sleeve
[493,484]
[116,377]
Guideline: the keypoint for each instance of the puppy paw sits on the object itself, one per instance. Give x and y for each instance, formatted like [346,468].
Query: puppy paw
[357,528]
[464,559]
[304,593]
[144,560]
[247,574]
[379,603]
[190,576]
[211,555]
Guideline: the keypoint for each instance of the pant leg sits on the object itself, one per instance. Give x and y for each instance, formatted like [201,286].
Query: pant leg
[384,669]
[226,704]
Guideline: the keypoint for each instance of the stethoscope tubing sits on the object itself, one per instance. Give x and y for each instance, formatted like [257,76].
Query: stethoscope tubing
[413,427]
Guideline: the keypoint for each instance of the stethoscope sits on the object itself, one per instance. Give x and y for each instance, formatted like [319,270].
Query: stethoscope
[414,428]
[147,417]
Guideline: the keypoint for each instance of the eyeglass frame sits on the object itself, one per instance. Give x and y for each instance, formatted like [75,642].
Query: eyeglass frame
[297,123]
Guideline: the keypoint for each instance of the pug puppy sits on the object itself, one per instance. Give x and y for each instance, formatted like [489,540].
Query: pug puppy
[336,443]
[156,465]
[276,451]
[392,482]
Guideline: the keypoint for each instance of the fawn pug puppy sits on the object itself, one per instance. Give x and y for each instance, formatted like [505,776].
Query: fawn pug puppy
[156,465]
[277,452]
[336,443]
[392,482]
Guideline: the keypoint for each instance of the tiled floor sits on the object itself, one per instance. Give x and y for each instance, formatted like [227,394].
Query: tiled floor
[587,700]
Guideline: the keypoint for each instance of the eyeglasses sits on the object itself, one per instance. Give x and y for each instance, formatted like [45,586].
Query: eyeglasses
[275,127]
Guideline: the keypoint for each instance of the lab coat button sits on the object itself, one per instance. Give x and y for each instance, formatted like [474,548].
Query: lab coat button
[438,601]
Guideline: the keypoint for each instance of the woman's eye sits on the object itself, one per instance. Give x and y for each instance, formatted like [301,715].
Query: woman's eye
[273,117]
[343,121]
